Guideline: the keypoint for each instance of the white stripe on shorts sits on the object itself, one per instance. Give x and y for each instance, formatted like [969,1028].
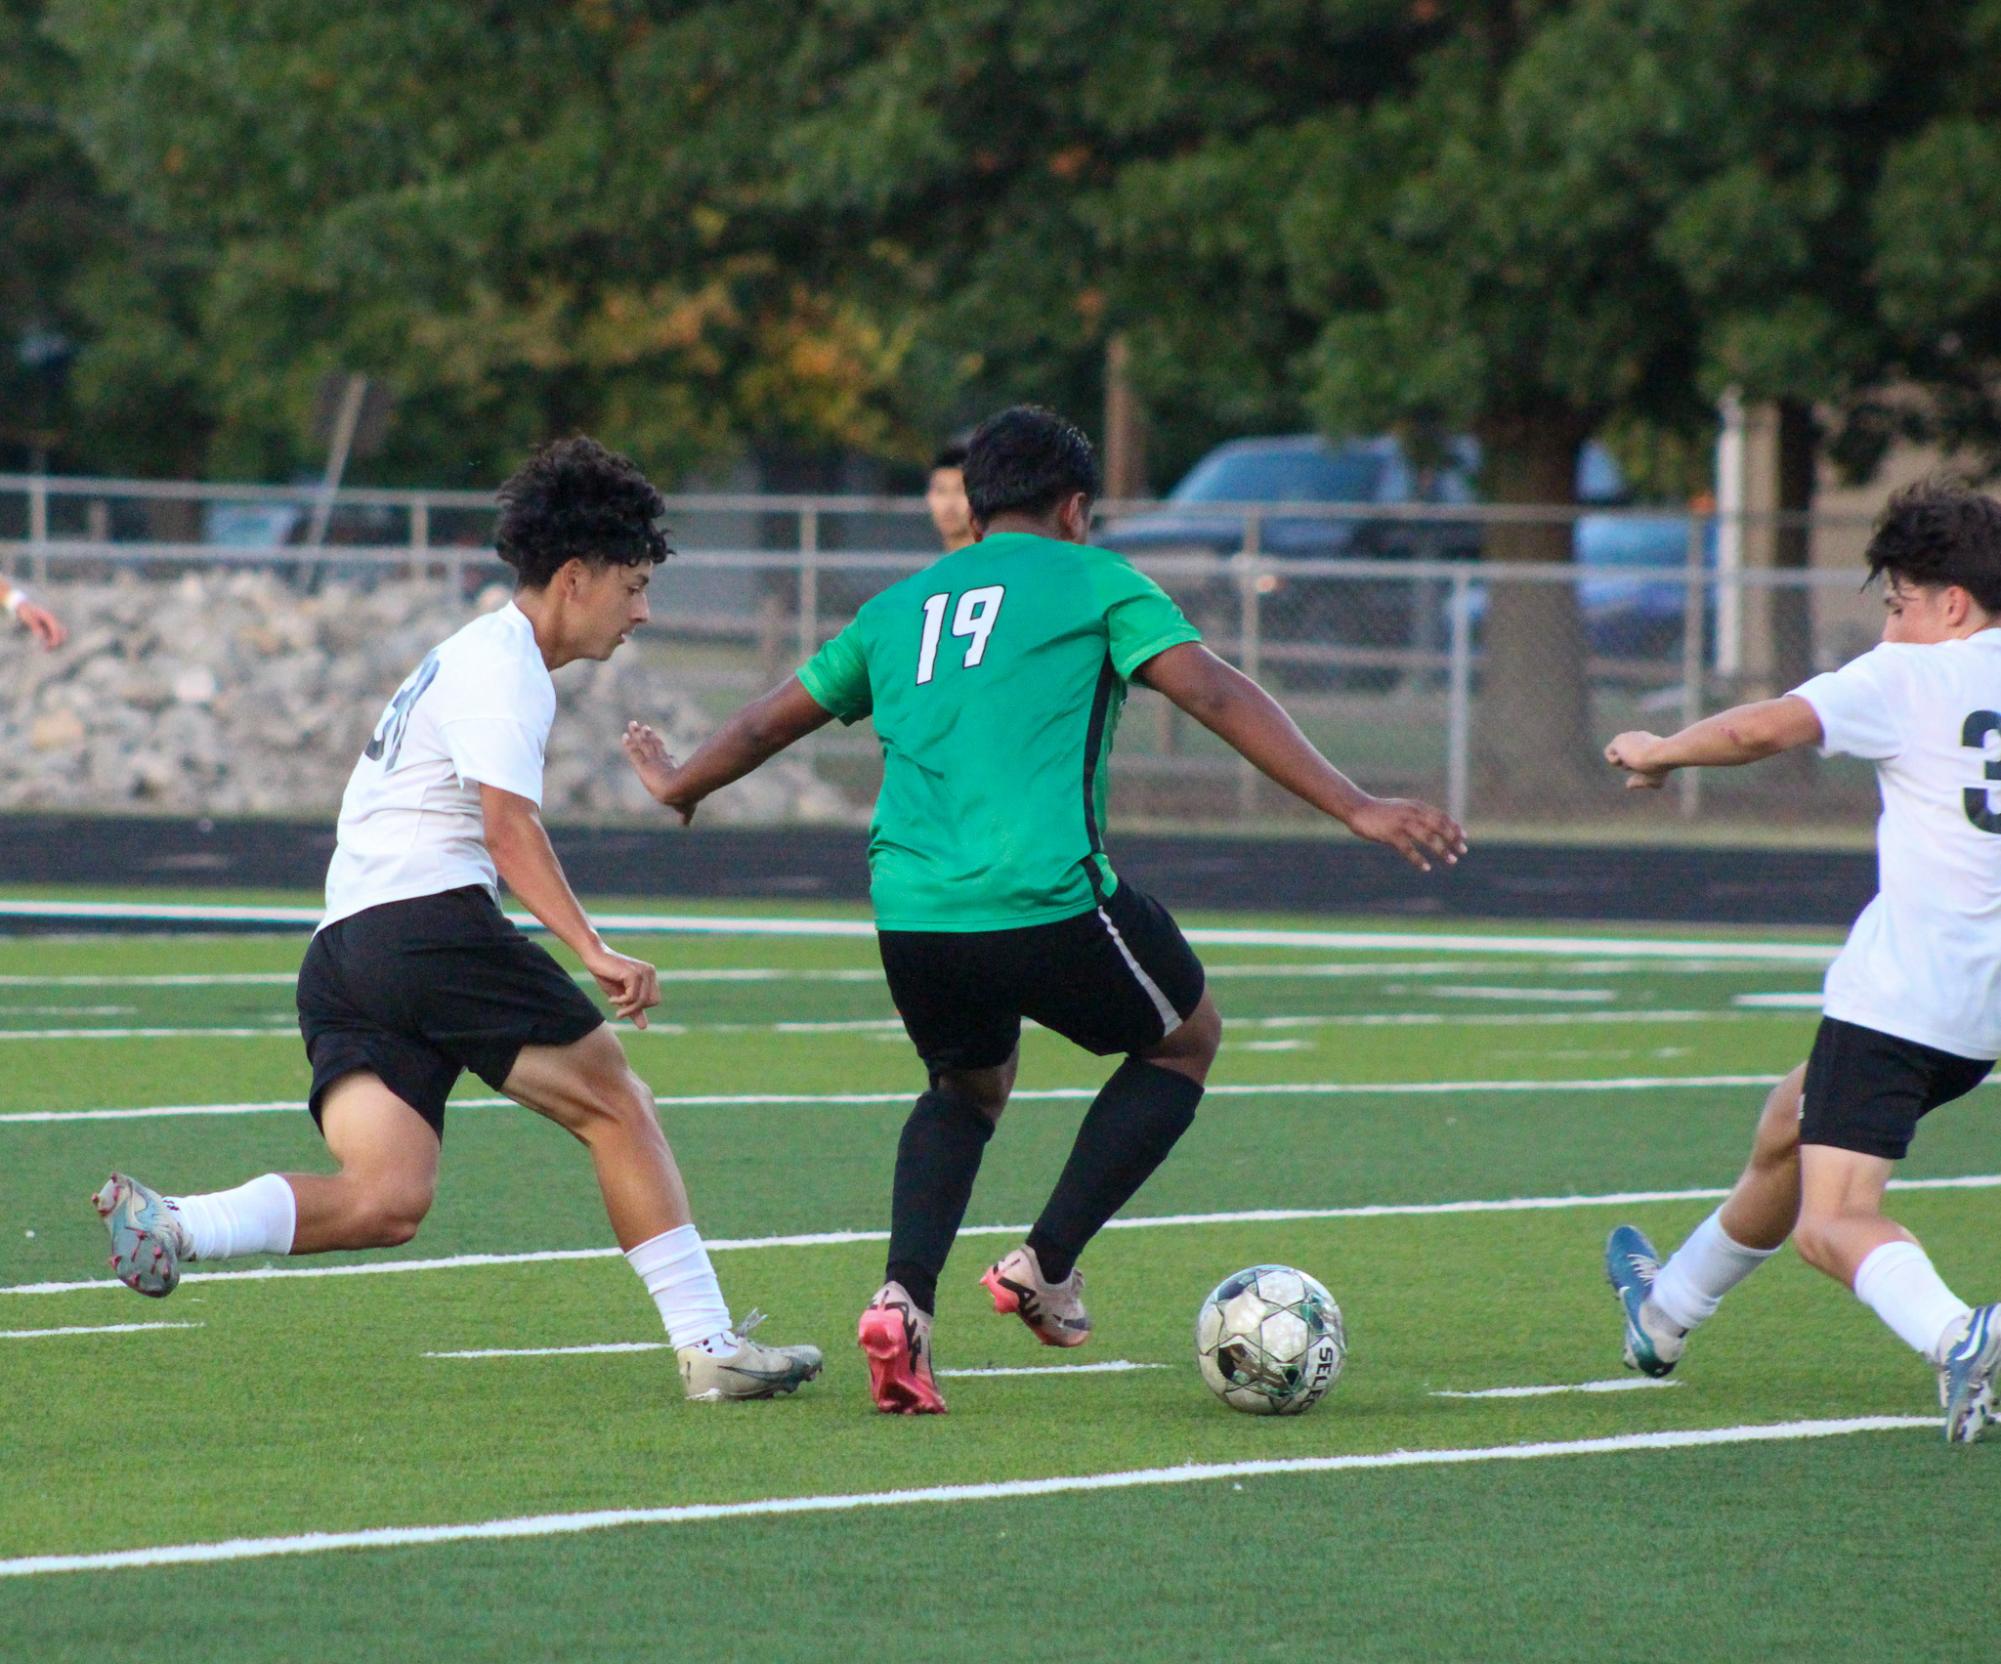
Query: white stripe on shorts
[1170,1019]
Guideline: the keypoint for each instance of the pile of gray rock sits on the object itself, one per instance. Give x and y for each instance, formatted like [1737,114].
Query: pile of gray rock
[234,693]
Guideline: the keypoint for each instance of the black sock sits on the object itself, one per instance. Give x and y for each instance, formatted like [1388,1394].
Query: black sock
[937,1159]
[1127,1132]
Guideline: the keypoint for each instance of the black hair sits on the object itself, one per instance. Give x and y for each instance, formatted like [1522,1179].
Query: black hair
[1941,531]
[951,454]
[1026,460]
[576,500]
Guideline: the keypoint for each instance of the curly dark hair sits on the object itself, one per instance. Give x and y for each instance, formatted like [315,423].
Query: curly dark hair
[1026,460]
[1941,531]
[576,500]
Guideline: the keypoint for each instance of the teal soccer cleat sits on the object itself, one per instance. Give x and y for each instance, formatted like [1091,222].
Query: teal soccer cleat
[148,1242]
[1653,1345]
[1969,1376]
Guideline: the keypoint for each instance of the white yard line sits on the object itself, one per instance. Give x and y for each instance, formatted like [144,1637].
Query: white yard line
[558,1351]
[1806,1001]
[91,1329]
[1555,996]
[1349,941]
[1111,1366]
[836,1239]
[562,1525]
[659,1029]
[1631,1383]
[1048,1094]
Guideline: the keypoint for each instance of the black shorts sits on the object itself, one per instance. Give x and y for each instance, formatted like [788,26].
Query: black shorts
[1117,978]
[1867,1091]
[419,991]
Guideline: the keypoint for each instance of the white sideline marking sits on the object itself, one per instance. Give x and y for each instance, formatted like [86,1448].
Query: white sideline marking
[90,1329]
[1111,1366]
[1115,1365]
[839,1239]
[558,1351]
[659,1029]
[1624,1384]
[1810,1001]
[1555,996]
[1046,1094]
[1351,941]
[560,1525]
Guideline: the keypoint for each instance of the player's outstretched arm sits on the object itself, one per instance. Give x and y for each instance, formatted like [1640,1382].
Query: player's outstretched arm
[519,845]
[1246,718]
[756,734]
[38,621]
[1742,734]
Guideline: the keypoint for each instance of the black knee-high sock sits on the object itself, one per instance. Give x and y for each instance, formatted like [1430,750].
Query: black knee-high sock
[937,1159]
[1127,1132]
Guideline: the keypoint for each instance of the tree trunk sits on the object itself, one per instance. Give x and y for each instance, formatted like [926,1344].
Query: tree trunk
[1792,609]
[1532,731]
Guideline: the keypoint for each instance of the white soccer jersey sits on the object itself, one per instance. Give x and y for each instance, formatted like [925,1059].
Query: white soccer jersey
[476,712]
[1924,960]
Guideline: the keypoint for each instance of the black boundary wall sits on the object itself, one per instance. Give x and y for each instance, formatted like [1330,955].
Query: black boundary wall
[1334,874]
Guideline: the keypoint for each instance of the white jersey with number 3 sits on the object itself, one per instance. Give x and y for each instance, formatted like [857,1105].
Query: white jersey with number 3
[476,712]
[1924,960]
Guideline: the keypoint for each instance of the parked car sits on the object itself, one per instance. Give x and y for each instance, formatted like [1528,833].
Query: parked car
[1623,616]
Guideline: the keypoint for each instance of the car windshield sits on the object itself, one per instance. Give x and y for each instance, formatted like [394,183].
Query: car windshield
[1289,476]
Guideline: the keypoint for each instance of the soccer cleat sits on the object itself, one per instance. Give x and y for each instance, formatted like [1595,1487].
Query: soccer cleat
[148,1242]
[751,1371]
[896,1335]
[1055,1311]
[1653,1344]
[1969,1376]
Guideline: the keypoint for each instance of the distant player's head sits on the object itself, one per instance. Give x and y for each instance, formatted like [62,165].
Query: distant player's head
[945,496]
[1031,468]
[581,526]
[1937,551]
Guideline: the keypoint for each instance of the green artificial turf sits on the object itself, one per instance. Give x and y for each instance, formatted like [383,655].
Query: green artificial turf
[304,1403]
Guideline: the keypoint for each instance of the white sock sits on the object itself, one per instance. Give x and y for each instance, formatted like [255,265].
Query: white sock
[675,1268]
[254,1218]
[1897,1282]
[1701,1271]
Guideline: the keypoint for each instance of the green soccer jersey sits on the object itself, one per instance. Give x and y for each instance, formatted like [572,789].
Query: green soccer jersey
[995,677]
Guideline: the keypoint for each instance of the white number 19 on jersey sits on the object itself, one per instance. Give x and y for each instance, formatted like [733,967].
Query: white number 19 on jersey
[978,609]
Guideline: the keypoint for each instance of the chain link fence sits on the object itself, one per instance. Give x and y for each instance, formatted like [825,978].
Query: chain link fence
[1489,685]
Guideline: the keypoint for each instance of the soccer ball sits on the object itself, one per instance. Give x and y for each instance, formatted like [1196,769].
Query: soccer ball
[1269,1341]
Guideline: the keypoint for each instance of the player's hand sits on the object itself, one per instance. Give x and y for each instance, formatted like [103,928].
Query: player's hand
[43,625]
[1414,830]
[630,984]
[646,751]
[1633,752]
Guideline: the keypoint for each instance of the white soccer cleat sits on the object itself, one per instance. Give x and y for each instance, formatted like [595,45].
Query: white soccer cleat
[751,1371]
[1054,1311]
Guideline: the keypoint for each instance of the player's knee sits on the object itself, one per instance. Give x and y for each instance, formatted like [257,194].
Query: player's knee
[1778,1136]
[1817,1237]
[390,1215]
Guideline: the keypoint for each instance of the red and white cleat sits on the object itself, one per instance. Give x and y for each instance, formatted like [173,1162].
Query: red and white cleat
[896,1335]
[1055,1311]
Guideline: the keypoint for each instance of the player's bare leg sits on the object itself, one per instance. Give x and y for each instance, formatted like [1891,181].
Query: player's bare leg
[589,1090]
[1844,1232]
[1662,1303]
[387,1177]
[1127,1133]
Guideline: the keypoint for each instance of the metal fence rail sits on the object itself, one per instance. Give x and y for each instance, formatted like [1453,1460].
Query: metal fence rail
[1398,668]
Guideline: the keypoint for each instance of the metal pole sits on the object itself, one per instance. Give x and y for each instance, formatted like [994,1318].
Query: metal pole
[1692,633]
[1459,701]
[1250,645]
[345,422]
[809,582]
[38,526]
[420,539]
